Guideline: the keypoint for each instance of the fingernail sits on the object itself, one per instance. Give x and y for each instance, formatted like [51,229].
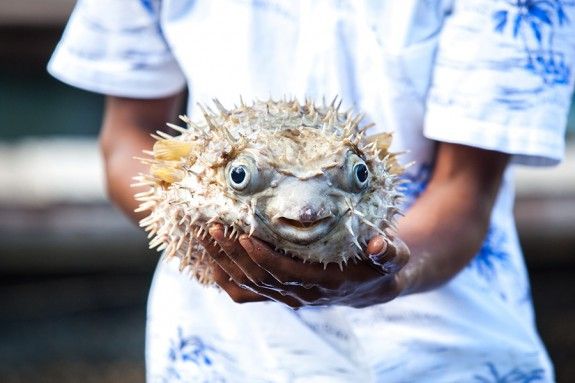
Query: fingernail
[379,246]
[246,243]
[216,232]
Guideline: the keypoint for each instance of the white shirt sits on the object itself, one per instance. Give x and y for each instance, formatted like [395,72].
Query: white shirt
[488,74]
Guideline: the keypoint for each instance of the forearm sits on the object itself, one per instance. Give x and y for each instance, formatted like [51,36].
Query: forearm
[120,168]
[125,133]
[444,229]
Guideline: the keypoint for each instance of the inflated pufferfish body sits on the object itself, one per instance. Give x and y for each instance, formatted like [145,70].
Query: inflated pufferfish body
[302,177]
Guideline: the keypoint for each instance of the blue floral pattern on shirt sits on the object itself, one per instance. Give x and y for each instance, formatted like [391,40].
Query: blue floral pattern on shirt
[491,254]
[192,359]
[149,5]
[515,375]
[534,22]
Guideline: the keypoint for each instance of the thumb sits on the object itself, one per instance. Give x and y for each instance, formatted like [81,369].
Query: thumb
[377,247]
[392,256]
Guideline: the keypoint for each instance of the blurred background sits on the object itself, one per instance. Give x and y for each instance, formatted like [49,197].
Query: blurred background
[74,273]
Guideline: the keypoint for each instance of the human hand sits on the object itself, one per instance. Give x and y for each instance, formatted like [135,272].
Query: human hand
[249,271]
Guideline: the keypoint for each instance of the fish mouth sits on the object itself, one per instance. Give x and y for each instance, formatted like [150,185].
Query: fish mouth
[300,232]
[302,225]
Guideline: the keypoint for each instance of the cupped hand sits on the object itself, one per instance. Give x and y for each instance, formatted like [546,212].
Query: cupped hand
[250,271]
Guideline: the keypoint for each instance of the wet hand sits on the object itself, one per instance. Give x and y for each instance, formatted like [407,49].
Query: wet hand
[250,271]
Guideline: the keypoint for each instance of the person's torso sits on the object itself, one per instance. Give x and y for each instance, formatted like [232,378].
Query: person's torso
[378,57]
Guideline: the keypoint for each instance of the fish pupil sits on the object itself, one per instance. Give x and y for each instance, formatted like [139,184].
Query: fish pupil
[238,175]
[361,173]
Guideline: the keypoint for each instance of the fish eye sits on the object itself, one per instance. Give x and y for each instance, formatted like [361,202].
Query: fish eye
[360,174]
[239,177]
[243,176]
[354,175]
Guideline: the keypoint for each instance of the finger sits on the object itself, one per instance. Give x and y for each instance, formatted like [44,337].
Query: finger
[380,253]
[249,292]
[235,283]
[230,246]
[224,262]
[289,271]
[393,258]
[236,254]
[247,275]
[238,294]
[376,246]
[402,252]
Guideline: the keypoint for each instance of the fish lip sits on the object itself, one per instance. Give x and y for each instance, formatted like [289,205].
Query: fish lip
[285,231]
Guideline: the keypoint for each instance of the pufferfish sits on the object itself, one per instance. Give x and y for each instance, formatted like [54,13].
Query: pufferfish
[303,177]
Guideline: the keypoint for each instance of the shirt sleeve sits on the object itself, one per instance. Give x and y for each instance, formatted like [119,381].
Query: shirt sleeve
[116,47]
[503,78]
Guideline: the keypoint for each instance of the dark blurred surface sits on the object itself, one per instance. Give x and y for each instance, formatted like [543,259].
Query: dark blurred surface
[33,103]
[74,277]
[73,290]
[72,328]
